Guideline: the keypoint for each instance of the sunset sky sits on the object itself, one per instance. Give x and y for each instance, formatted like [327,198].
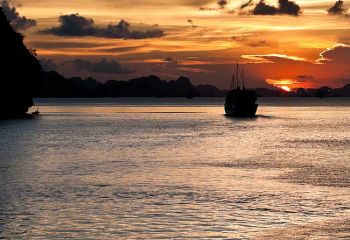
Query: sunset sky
[305,43]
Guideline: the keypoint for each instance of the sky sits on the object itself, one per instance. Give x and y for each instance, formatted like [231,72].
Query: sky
[302,43]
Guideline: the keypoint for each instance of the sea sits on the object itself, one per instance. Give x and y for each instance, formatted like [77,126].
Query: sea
[148,168]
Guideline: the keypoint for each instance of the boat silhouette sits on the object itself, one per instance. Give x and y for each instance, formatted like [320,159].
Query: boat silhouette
[240,102]
[36,112]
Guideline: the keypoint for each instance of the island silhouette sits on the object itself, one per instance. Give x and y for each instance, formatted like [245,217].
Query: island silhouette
[57,86]
[20,72]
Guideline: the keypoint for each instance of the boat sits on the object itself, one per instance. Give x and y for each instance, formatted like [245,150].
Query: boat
[240,102]
[37,112]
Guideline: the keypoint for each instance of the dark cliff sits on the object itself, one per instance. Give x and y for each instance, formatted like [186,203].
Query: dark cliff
[19,72]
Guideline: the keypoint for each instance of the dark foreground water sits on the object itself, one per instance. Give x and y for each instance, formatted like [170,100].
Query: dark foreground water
[176,168]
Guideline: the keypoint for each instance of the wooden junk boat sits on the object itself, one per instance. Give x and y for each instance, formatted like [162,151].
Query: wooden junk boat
[240,102]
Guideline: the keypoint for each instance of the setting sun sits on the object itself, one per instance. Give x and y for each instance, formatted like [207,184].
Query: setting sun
[285,88]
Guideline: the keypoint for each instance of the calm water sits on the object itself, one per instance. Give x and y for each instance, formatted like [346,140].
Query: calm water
[175,168]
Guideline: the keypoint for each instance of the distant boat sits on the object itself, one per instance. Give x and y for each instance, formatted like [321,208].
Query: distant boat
[37,112]
[240,102]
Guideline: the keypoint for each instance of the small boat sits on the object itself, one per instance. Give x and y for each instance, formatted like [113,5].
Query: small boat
[37,112]
[240,102]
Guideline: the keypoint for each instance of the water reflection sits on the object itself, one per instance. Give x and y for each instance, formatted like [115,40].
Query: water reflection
[106,171]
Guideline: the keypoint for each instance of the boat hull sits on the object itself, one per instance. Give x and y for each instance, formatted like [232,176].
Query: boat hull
[237,110]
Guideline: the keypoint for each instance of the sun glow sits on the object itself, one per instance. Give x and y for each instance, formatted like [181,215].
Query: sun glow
[284,84]
[285,88]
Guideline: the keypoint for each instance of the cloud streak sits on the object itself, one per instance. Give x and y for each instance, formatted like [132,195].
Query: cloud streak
[74,25]
[270,58]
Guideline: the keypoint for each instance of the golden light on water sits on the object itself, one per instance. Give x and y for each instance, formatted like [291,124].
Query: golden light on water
[118,168]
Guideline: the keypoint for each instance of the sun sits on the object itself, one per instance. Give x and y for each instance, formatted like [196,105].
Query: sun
[285,84]
[285,88]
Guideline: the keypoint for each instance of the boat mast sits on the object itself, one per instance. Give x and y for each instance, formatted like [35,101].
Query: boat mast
[243,79]
[232,86]
[237,72]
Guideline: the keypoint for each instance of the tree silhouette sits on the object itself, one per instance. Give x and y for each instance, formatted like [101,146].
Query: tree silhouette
[20,72]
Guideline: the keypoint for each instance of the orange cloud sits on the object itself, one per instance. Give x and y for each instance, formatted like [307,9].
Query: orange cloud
[337,54]
[269,58]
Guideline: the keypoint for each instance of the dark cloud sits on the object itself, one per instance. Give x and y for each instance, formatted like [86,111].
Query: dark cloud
[76,25]
[103,66]
[337,55]
[338,8]
[222,3]
[263,9]
[285,7]
[121,30]
[17,21]
[48,64]
[288,7]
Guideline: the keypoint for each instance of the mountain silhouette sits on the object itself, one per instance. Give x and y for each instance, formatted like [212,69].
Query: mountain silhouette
[20,72]
[56,85]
